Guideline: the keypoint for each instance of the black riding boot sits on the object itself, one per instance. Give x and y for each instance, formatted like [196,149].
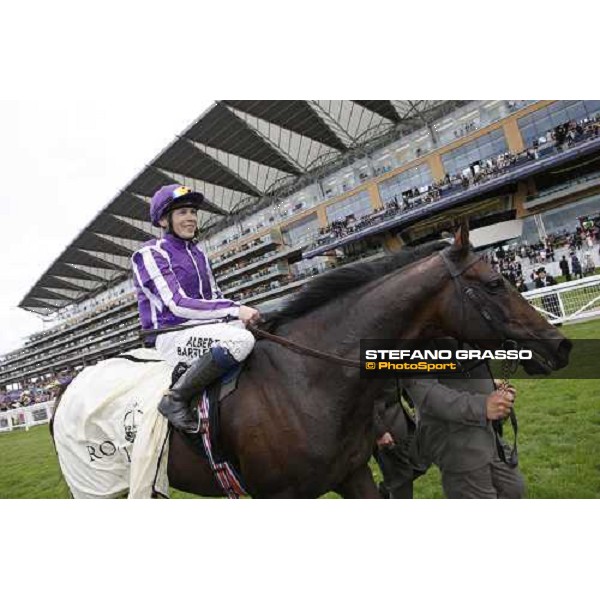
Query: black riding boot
[175,404]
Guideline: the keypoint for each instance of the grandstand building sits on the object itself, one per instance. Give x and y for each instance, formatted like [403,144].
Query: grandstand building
[298,187]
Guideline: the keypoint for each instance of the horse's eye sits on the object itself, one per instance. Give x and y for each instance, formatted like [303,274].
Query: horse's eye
[495,285]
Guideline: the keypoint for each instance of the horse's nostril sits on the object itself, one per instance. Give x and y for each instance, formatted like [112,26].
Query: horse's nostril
[564,350]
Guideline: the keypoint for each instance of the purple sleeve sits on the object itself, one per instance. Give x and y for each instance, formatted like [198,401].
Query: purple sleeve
[154,273]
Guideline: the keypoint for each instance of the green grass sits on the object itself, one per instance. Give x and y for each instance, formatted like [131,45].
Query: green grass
[562,278]
[29,467]
[559,443]
[559,440]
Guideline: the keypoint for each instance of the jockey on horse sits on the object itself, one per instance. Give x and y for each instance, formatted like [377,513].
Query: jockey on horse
[175,285]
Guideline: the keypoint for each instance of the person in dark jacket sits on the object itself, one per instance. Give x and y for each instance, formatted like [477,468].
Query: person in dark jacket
[576,267]
[455,432]
[564,267]
[394,445]
[543,279]
[521,285]
[550,302]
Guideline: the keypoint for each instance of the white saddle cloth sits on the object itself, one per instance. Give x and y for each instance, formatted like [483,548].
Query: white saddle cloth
[107,408]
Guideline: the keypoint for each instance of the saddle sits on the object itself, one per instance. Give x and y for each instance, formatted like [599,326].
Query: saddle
[207,441]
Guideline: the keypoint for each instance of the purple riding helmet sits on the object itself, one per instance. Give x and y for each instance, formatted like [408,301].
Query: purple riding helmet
[172,196]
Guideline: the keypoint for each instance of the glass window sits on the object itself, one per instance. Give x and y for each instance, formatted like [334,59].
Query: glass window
[485,146]
[309,266]
[493,111]
[402,154]
[348,181]
[358,205]
[222,238]
[383,163]
[536,124]
[530,234]
[301,232]
[565,217]
[333,186]
[592,106]
[412,178]
[558,219]
[577,111]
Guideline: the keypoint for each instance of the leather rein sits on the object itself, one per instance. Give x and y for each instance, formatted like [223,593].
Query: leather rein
[300,349]
[507,454]
[455,274]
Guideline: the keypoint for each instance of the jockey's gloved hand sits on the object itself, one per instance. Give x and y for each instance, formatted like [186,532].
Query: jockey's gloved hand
[249,315]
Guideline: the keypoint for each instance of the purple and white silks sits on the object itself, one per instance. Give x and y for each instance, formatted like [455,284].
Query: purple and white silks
[175,285]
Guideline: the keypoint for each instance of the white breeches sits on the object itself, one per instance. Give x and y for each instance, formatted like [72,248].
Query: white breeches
[188,344]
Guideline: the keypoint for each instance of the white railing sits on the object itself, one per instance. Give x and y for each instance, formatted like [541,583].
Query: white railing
[26,416]
[569,301]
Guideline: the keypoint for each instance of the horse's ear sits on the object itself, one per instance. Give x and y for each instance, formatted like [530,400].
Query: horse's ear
[461,237]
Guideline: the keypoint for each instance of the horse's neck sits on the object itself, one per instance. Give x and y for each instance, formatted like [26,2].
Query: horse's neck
[391,307]
[398,305]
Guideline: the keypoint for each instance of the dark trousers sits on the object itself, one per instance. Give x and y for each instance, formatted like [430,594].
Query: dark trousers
[495,480]
[396,470]
[399,470]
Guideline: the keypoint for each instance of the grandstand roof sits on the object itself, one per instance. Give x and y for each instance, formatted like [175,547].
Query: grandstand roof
[238,153]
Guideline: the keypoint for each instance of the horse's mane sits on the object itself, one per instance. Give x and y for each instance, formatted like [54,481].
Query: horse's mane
[342,280]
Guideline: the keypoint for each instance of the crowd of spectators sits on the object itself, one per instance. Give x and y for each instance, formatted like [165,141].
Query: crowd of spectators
[305,273]
[45,353]
[349,224]
[79,313]
[72,345]
[272,269]
[103,342]
[243,248]
[245,262]
[571,253]
[518,264]
[509,263]
[281,282]
[569,133]
[41,391]
[562,136]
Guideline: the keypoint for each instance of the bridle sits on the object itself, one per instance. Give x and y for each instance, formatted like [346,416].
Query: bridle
[508,366]
[464,292]
[467,294]
[455,273]
[307,351]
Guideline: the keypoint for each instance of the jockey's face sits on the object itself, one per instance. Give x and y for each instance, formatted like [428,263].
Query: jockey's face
[184,221]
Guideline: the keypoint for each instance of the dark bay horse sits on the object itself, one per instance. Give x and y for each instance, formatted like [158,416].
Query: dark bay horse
[302,426]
